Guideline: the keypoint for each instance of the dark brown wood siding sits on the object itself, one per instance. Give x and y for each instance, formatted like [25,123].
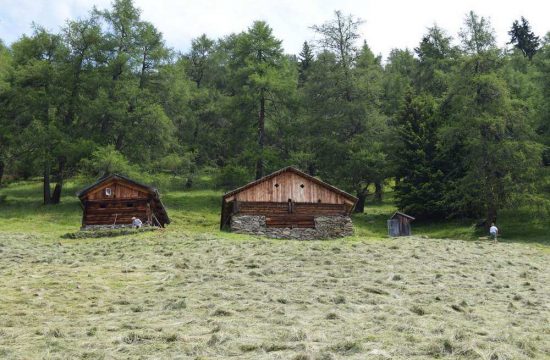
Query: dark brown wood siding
[282,208]
[109,212]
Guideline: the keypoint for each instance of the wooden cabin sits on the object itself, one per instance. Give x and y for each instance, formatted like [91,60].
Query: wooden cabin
[399,224]
[113,200]
[288,198]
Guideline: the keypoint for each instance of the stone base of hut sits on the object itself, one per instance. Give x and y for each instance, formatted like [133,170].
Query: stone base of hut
[326,227]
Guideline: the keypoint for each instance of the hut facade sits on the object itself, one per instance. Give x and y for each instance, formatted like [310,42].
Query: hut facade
[115,199]
[288,204]
[399,224]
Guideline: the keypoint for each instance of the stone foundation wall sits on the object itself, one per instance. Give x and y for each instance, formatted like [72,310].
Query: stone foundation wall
[326,227]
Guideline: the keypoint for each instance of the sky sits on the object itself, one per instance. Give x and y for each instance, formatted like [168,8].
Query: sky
[387,24]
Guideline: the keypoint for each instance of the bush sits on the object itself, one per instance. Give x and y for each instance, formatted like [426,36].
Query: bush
[107,160]
[232,176]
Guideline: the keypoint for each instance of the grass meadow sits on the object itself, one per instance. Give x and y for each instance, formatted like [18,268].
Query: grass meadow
[192,292]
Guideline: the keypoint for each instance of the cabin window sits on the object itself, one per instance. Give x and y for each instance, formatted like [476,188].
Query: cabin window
[302,186]
[108,192]
[103,205]
[130,204]
[276,185]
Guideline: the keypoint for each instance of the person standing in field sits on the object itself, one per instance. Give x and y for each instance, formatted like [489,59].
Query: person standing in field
[493,230]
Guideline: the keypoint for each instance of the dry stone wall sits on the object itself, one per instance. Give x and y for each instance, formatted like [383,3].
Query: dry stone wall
[326,227]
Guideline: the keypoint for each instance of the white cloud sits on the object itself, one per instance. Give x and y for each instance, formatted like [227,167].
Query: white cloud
[388,24]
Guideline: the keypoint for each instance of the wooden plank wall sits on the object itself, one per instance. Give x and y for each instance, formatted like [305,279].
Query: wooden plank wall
[289,187]
[291,221]
[272,208]
[119,190]
[293,215]
[106,212]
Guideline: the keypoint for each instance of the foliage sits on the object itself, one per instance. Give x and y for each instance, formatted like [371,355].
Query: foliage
[443,122]
[523,38]
[106,161]
[231,176]
[420,187]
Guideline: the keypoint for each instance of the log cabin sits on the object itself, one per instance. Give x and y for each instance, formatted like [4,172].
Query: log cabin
[288,204]
[113,200]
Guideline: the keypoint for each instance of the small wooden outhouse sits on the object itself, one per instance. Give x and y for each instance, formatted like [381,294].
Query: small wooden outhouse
[113,200]
[399,224]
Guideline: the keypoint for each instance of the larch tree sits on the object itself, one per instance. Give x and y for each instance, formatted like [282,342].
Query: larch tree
[486,135]
[261,78]
[343,94]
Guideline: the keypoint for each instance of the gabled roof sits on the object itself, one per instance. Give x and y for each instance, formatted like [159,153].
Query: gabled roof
[106,178]
[398,213]
[297,172]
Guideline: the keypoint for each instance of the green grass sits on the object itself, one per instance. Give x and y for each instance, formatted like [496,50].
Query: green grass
[191,291]
[197,211]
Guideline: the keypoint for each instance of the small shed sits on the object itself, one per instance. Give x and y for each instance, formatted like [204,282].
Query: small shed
[399,224]
[113,200]
[288,204]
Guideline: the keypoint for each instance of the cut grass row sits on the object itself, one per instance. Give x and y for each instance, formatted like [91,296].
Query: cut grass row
[169,295]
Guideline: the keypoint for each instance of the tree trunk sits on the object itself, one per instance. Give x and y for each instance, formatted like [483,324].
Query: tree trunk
[378,192]
[46,185]
[143,68]
[69,117]
[119,141]
[361,198]
[1,171]
[360,206]
[261,137]
[56,198]
[491,216]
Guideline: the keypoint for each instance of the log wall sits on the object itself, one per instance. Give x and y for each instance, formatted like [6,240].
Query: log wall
[289,214]
[108,212]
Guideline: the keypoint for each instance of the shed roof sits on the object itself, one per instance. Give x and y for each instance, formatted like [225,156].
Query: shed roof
[299,173]
[398,213]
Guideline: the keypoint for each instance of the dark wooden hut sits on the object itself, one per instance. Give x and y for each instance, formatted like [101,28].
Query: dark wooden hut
[115,199]
[288,198]
[399,224]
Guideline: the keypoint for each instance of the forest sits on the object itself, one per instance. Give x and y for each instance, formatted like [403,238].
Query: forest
[457,126]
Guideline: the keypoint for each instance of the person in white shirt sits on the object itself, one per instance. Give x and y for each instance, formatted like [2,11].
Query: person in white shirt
[136,222]
[493,230]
